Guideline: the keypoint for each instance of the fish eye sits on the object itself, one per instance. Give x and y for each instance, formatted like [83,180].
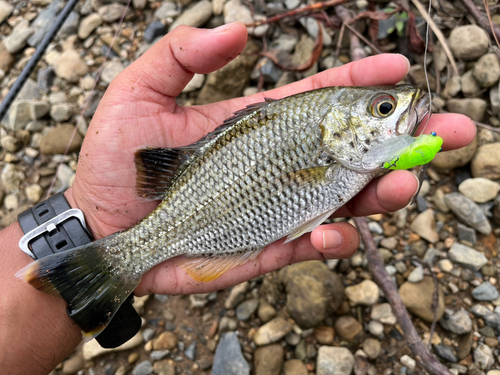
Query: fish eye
[383,105]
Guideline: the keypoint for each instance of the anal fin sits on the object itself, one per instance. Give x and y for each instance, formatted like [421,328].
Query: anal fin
[308,227]
[206,269]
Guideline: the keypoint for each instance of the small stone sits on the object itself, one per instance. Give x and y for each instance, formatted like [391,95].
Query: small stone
[472,107]
[111,71]
[158,355]
[467,256]
[376,328]
[470,87]
[143,368]
[61,112]
[272,331]
[112,12]
[33,192]
[334,361]
[372,348]
[383,313]
[11,202]
[268,360]
[195,16]
[466,234]
[166,340]
[296,367]
[45,78]
[483,356]
[70,66]
[468,212]
[70,26]
[480,190]
[324,335]
[417,297]
[364,293]
[6,59]
[245,309]
[11,144]
[486,161]
[234,11]
[236,295]
[11,178]
[445,352]
[485,292]
[416,275]
[266,312]
[89,24]
[487,70]
[133,357]
[452,88]
[73,365]
[195,83]
[5,10]
[425,226]
[154,30]
[455,158]
[458,322]
[348,328]
[227,324]
[228,358]
[163,368]
[197,301]
[16,41]
[468,42]
[190,351]
[57,139]
[408,362]
[445,265]
[389,243]
[166,12]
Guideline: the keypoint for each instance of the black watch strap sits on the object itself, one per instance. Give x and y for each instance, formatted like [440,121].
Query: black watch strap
[65,233]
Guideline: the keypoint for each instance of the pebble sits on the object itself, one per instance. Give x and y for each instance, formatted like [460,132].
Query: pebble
[324,335]
[245,309]
[11,177]
[272,331]
[445,352]
[483,356]
[469,84]
[166,340]
[365,293]
[466,234]
[334,361]
[425,226]
[227,324]
[487,70]
[70,26]
[89,24]
[43,22]
[16,41]
[33,192]
[61,112]
[485,292]
[143,368]
[376,328]
[480,190]
[389,243]
[486,161]
[56,140]
[295,367]
[416,275]
[5,10]
[348,328]
[236,295]
[468,212]
[70,66]
[158,355]
[155,29]
[190,351]
[383,313]
[455,158]
[11,144]
[195,16]
[468,42]
[268,360]
[372,347]
[163,368]
[467,256]
[111,71]
[458,322]
[265,312]
[417,297]
[11,202]
[408,362]
[234,11]
[228,358]
[473,107]
[112,12]
[445,265]
[73,365]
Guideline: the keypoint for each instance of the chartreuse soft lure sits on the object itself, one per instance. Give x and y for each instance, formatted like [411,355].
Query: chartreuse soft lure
[420,152]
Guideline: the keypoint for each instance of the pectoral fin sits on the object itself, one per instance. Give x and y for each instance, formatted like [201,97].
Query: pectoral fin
[308,227]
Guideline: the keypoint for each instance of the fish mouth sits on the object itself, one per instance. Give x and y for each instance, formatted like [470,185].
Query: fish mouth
[419,109]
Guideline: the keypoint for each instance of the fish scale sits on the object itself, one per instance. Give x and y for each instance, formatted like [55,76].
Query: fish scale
[274,170]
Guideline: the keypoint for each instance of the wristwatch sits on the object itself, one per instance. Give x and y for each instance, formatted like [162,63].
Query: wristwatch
[52,226]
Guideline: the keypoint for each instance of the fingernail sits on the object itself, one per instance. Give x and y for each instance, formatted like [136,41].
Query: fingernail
[223,28]
[331,239]
[408,65]
[418,186]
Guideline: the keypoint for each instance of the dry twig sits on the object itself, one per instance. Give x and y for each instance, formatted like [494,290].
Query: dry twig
[356,51]
[377,268]
[481,19]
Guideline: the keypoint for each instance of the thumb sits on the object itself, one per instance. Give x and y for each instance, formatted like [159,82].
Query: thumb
[171,63]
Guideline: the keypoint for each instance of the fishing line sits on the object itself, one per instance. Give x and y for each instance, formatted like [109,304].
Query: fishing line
[425,65]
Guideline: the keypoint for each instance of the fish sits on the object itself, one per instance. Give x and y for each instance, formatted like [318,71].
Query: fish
[275,169]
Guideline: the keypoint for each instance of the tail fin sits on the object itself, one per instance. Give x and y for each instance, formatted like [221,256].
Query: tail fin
[85,277]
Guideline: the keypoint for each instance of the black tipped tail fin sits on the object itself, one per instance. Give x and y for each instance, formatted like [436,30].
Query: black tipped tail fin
[87,280]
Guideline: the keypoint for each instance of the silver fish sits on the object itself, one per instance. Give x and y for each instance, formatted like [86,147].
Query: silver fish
[275,169]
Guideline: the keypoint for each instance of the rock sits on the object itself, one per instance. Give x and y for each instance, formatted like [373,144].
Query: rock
[70,26]
[245,309]
[65,176]
[45,78]
[485,292]
[376,328]
[455,158]
[487,70]
[417,297]
[457,322]
[470,87]
[166,12]
[195,83]
[416,275]
[268,360]
[195,16]
[236,295]
[234,11]
[267,69]
[228,358]
[229,81]
[483,356]
[16,41]
[472,107]
[372,348]
[73,365]
[480,190]
[490,318]
[11,144]
[158,355]
[190,352]
[6,59]
[5,10]
[70,66]
[154,30]
[364,293]
[467,256]
[266,312]
[468,42]
[486,161]
[163,368]
[468,212]
[445,352]
[425,226]
[272,331]
[43,22]
[408,362]
[166,340]
[383,313]
[111,70]
[227,324]
[11,178]
[89,24]
[334,361]
[348,328]
[198,301]
[445,265]
[324,335]
[11,202]
[61,112]
[313,292]
[452,88]
[57,139]
[112,12]
[33,192]
[143,368]
[92,348]
[296,367]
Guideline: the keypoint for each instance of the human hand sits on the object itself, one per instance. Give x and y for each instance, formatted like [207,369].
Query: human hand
[139,110]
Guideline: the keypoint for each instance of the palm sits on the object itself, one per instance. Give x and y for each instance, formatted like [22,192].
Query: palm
[139,110]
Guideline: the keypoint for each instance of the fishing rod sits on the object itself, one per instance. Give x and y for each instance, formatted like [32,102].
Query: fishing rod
[28,69]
